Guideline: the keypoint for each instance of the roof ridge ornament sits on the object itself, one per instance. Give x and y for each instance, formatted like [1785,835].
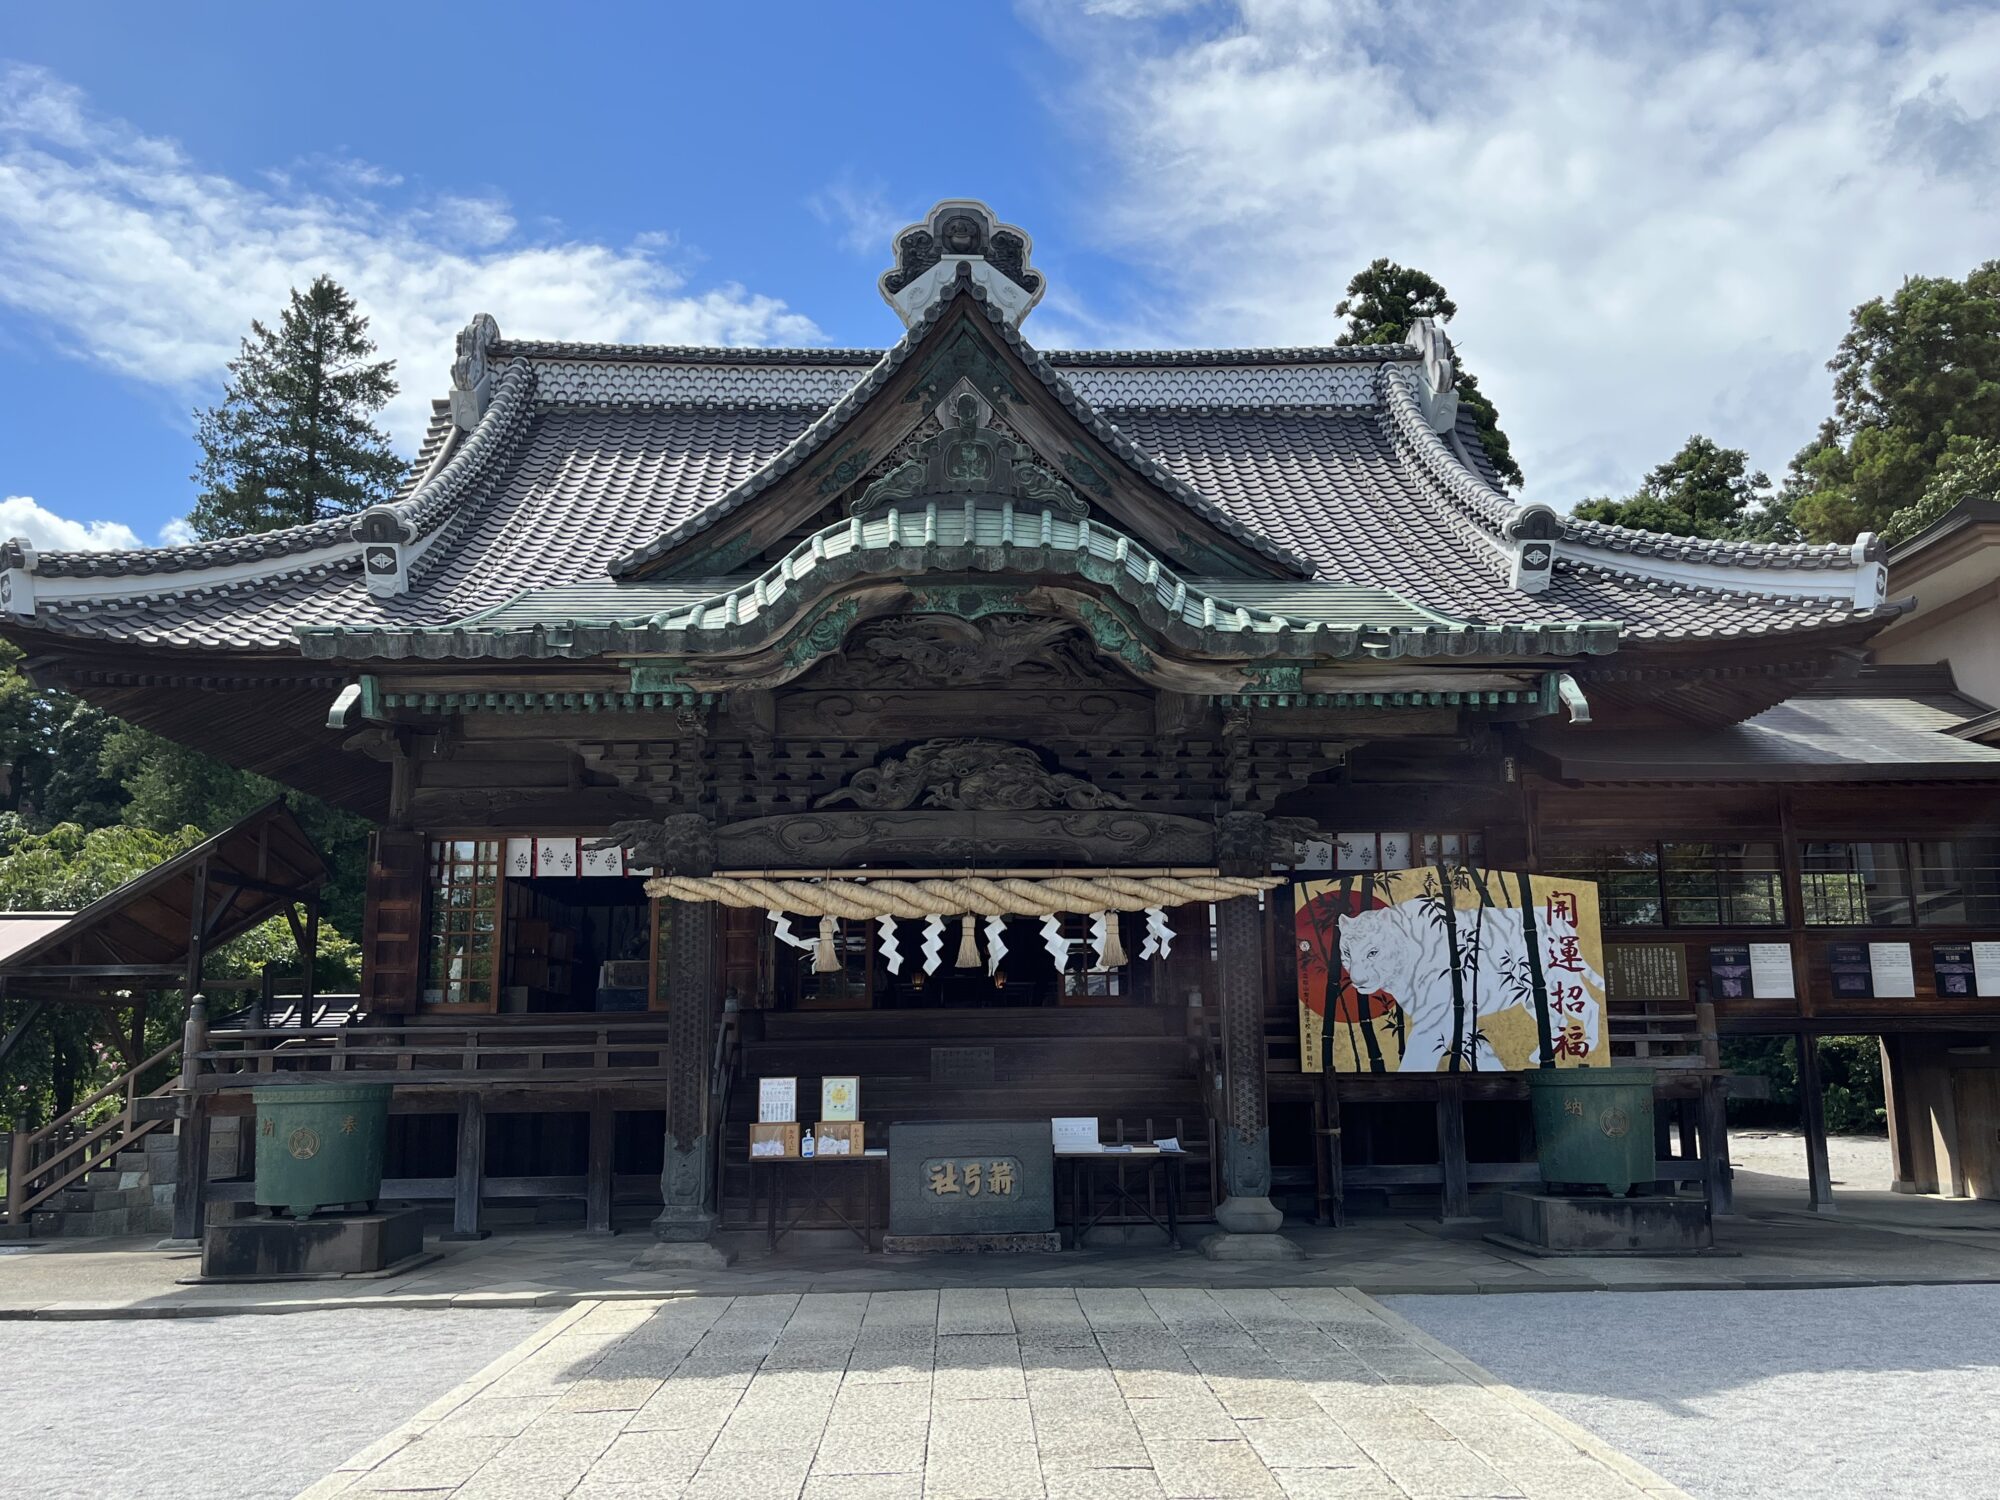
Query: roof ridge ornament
[471,371]
[969,456]
[961,232]
[1438,390]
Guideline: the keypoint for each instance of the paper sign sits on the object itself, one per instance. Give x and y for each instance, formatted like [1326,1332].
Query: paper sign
[1074,1133]
[840,1098]
[1315,854]
[1771,971]
[555,857]
[1853,975]
[607,861]
[520,858]
[1895,979]
[1952,971]
[1395,851]
[1729,970]
[777,1101]
[1986,967]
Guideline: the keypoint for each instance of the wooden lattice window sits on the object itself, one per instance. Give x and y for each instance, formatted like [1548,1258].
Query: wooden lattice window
[465,946]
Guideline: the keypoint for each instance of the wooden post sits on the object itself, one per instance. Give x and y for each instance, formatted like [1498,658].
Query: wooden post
[191,1168]
[1246,1133]
[197,929]
[471,1170]
[1812,1117]
[1330,1136]
[1718,1179]
[308,988]
[17,1169]
[597,1182]
[1456,1197]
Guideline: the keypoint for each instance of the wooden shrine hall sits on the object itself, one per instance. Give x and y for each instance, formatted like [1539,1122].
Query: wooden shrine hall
[1036,734]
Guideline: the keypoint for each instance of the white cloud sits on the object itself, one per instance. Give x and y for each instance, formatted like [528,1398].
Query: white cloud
[1655,220]
[142,261]
[21,516]
[862,216]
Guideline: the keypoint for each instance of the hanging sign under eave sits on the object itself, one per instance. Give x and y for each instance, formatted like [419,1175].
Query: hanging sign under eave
[564,856]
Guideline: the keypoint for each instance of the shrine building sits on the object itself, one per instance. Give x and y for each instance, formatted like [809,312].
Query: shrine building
[963,718]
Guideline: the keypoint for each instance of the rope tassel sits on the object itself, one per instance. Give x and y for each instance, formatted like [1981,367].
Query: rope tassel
[968,945]
[825,959]
[1104,935]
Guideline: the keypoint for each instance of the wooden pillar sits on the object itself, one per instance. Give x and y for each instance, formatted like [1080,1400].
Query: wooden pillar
[308,960]
[1331,1138]
[1812,1119]
[1718,1178]
[689,972]
[598,1177]
[471,1177]
[197,930]
[1246,1134]
[191,1124]
[1456,1197]
[191,1167]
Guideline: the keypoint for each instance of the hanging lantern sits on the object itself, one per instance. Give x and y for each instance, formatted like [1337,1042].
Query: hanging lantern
[968,945]
[826,960]
[1104,935]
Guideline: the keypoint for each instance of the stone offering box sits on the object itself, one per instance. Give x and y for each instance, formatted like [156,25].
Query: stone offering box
[971,1178]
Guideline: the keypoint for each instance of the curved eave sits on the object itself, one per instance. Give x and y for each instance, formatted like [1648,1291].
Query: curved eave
[990,537]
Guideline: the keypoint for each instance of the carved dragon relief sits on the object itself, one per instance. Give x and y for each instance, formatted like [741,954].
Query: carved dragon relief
[965,775]
[933,651]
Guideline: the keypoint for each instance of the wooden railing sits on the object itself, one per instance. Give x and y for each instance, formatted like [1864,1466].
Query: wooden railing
[41,1163]
[562,1048]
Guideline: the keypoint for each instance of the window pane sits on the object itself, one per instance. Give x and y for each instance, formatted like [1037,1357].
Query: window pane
[1958,882]
[1853,885]
[1627,877]
[1723,885]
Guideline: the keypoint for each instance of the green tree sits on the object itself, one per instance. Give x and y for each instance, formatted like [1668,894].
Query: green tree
[1381,305]
[294,439]
[1703,490]
[1916,379]
[51,744]
[1969,470]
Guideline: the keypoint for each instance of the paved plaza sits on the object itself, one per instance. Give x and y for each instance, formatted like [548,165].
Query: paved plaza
[988,1394]
[1808,1395]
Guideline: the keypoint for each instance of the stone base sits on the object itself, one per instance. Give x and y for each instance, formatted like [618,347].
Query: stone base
[682,1255]
[311,1249]
[1245,1215]
[1228,1246]
[1552,1224]
[978,1244]
[1125,1237]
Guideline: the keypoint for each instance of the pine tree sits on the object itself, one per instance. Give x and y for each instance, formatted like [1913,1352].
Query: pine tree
[1382,303]
[293,440]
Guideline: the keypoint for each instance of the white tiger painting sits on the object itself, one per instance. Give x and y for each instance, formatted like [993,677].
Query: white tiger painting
[1408,951]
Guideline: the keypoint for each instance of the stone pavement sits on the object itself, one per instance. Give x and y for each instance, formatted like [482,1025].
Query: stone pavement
[1040,1393]
[1876,1239]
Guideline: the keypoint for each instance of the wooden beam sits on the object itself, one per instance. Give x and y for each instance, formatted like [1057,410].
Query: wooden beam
[17,1032]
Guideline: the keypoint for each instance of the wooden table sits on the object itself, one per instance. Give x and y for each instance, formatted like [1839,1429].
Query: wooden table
[777,1169]
[1147,1161]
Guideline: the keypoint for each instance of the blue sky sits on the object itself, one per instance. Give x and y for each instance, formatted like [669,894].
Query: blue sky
[1654,219]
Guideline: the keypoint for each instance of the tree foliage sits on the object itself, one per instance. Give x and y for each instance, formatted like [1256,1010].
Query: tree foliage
[1916,380]
[1381,306]
[294,439]
[1969,470]
[1704,490]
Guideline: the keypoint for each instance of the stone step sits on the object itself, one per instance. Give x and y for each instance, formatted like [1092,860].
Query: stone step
[96,1200]
[77,1225]
[105,1179]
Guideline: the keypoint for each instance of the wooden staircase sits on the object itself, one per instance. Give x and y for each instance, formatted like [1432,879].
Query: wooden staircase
[1130,1066]
[89,1170]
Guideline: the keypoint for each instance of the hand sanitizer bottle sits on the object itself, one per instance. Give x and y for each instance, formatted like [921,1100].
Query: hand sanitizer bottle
[806,1147]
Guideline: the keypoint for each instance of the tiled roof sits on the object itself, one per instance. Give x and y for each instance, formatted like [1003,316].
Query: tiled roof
[1822,736]
[592,456]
